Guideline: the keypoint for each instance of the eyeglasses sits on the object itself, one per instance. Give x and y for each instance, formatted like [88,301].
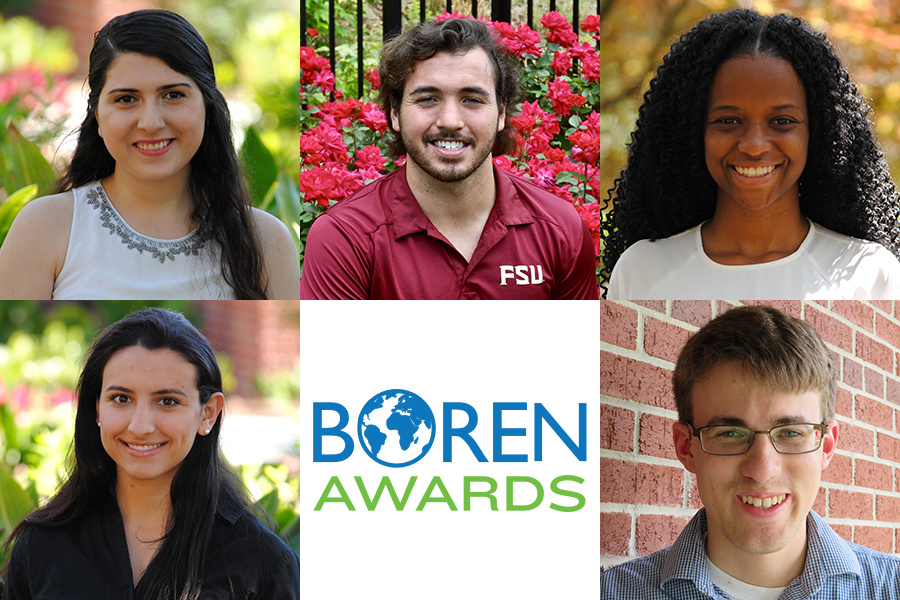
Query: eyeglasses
[729,440]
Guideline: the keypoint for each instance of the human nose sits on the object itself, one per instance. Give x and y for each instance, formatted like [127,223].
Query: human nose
[142,422]
[761,462]
[755,140]
[449,117]
[151,118]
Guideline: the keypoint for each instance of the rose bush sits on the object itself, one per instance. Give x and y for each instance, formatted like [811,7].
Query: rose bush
[557,131]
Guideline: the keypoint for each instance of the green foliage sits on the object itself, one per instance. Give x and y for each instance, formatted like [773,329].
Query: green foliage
[24,43]
[259,166]
[14,506]
[12,206]
[22,164]
[278,492]
[283,385]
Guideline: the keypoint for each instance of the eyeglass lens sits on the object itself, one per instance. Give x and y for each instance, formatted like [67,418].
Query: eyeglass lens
[795,438]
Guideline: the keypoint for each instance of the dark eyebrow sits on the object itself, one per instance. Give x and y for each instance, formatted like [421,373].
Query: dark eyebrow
[737,422]
[163,392]
[731,107]
[161,88]
[430,89]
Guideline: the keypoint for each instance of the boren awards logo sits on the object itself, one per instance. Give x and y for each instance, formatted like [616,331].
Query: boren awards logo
[396,428]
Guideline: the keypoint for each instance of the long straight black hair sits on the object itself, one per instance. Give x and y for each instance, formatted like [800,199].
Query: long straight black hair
[174,573]
[222,205]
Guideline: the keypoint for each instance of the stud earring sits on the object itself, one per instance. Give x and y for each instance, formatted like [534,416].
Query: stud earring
[207,432]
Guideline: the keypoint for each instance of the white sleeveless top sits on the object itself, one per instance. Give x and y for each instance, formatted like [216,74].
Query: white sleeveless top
[108,260]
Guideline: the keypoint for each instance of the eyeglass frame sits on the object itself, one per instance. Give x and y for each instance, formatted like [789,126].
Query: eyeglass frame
[821,427]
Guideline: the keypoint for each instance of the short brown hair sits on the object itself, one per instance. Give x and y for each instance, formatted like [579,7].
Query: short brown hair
[400,55]
[783,352]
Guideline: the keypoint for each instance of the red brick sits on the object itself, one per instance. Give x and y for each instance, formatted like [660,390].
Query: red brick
[888,447]
[873,475]
[655,532]
[844,531]
[852,374]
[855,312]
[834,332]
[659,485]
[664,340]
[723,307]
[618,325]
[623,377]
[875,353]
[874,412]
[892,393]
[874,383]
[820,504]
[789,307]
[850,505]
[615,533]
[887,330]
[843,403]
[695,312]
[856,439]
[876,538]
[887,509]
[657,305]
[628,482]
[840,470]
[616,428]
[883,305]
[656,436]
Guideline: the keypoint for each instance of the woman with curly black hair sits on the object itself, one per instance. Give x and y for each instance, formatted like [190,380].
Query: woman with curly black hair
[753,172]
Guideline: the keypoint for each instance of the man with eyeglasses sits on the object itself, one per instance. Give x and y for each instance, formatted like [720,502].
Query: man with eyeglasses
[755,392]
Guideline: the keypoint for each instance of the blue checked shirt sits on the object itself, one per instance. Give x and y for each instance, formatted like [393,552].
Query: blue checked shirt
[835,569]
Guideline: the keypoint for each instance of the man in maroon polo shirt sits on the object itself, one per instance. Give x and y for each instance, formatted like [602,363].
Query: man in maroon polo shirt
[449,224]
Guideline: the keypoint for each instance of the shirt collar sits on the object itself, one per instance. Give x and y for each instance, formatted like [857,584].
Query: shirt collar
[827,556]
[408,217]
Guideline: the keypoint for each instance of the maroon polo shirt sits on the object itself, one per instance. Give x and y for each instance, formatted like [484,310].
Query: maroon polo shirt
[379,245]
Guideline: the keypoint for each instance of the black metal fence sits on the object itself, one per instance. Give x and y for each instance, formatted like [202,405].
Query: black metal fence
[392,21]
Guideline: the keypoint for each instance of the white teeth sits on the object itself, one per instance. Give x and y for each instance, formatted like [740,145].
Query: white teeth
[754,171]
[156,146]
[763,503]
[448,145]
[141,448]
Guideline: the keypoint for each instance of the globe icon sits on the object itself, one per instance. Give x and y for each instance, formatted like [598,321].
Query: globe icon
[396,428]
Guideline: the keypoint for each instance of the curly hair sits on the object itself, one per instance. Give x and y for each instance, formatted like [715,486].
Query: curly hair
[222,203]
[400,55]
[666,187]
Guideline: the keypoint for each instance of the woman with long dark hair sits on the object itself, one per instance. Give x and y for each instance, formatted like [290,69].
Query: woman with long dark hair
[753,172]
[153,204]
[151,510]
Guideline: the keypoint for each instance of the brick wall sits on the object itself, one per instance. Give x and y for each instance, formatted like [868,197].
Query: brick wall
[258,336]
[647,496]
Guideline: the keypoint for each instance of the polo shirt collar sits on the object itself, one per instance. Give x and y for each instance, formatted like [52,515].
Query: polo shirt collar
[407,215]
[827,555]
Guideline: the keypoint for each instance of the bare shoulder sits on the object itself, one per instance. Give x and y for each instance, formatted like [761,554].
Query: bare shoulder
[280,256]
[35,248]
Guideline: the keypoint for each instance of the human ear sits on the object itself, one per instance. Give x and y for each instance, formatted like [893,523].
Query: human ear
[501,121]
[395,119]
[829,443]
[684,446]
[211,412]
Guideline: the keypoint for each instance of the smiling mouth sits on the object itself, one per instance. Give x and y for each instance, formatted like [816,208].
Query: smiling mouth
[449,144]
[144,447]
[763,503]
[754,171]
[155,146]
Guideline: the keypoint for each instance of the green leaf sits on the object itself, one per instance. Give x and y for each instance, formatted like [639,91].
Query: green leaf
[259,165]
[24,164]
[14,506]
[12,206]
